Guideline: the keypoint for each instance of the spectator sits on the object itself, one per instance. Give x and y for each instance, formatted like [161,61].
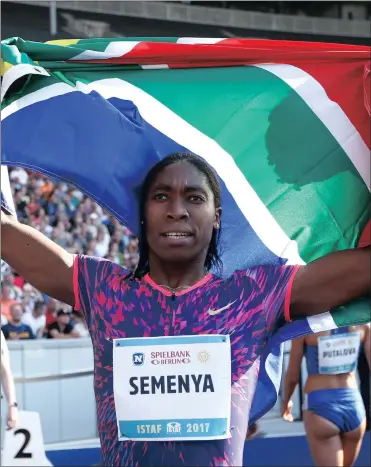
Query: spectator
[19,176]
[36,319]
[15,329]
[62,327]
[92,222]
[6,301]
[80,324]
[51,206]
[102,242]
[3,321]
[131,256]
[30,297]
[15,291]
[21,201]
[52,307]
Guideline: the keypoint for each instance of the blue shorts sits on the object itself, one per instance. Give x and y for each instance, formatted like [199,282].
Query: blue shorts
[343,407]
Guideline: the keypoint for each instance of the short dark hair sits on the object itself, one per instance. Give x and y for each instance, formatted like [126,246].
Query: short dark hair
[39,304]
[213,256]
[61,312]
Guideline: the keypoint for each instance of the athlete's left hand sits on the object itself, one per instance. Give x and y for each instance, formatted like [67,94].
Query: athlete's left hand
[286,411]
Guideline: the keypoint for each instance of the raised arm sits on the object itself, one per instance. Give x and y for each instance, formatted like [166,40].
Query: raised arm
[43,263]
[331,281]
[291,378]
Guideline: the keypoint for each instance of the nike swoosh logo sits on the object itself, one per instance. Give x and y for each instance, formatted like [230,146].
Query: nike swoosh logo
[219,310]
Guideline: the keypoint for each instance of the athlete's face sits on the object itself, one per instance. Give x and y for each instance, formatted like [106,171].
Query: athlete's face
[180,214]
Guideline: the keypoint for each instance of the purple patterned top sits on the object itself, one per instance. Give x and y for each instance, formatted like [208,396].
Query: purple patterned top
[116,306]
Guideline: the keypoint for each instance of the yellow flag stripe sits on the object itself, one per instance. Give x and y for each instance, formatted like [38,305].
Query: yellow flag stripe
[63,42]
[4,66]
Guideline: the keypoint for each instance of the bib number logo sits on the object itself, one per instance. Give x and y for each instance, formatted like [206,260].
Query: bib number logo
[138,359]
[174,427]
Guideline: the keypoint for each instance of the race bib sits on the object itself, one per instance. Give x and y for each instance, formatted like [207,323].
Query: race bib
[338,353]
[172,388]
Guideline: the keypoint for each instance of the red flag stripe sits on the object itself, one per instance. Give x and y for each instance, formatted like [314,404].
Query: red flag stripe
[147,53]
[365,239]
[339,68]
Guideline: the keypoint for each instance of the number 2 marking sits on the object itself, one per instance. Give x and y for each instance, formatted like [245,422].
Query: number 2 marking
[27,437]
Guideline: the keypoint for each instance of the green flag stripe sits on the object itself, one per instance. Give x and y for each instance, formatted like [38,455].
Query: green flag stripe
[357,312]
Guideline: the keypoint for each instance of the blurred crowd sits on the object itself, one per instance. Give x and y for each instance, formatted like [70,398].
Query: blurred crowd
[76,223]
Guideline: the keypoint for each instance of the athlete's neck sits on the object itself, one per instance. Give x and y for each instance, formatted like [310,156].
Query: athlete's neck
[175,275]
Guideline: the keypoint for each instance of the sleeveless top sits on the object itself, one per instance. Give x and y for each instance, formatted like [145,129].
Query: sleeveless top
[311,352]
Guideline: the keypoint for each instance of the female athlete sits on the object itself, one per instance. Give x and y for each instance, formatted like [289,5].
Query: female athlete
[334,414]
[172,293]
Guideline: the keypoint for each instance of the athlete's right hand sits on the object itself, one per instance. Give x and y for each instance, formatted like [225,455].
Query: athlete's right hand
[286,411]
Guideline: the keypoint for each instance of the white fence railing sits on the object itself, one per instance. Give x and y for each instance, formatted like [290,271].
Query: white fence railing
[55,379]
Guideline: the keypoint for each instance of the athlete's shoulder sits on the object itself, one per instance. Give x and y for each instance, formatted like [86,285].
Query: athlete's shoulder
[243,277]
[257,274]
[263,277]
[101,268]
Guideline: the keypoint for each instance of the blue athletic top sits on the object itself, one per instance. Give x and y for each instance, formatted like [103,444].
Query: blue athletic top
[311,352]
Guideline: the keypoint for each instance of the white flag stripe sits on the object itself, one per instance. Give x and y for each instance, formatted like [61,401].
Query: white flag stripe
[199,40]
[154,67]
[322,322]
[40,95]
[16,72]
[113,50]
